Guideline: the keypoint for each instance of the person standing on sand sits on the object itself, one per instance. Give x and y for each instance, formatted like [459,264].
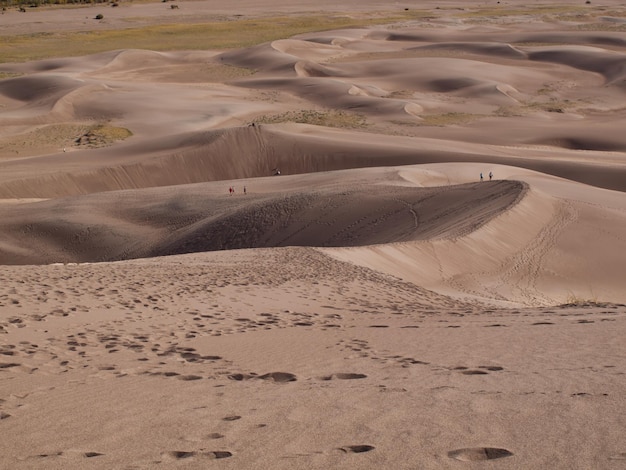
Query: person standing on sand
[481,177]
[245,191]
[490,176]
[230,190]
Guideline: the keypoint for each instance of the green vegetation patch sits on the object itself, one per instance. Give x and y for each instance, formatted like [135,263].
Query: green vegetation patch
[192,73]
[529,107]
[329,118]
[534,11]
[55,137]
[225,34]
[552,106]
[46,138]
[4,75]
[617,27]
[447,119]
[100,135]
[223,73]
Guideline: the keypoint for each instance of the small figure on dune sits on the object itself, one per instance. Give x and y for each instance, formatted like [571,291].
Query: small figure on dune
[481,177]
[490,176]
[245,190]
[230,190]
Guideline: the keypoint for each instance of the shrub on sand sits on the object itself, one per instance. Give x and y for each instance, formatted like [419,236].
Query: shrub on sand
[329,118]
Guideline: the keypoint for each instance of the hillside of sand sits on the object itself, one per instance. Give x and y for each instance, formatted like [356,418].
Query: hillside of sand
[425,268]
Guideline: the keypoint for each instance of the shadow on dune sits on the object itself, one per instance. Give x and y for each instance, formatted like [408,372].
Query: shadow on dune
[146,223]
[254,151]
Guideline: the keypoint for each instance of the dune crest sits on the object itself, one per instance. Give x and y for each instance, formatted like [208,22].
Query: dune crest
[195,219]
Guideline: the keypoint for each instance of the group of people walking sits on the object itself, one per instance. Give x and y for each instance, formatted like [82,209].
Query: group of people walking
[490,176]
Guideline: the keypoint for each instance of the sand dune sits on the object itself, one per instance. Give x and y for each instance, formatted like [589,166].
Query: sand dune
[195,219]
[611,66]
[465,95]
[255,151]
[369,302]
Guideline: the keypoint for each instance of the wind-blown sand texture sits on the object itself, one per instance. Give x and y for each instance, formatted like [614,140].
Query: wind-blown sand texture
[374,306]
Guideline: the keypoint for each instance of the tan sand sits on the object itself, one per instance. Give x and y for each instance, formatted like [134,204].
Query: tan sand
[375,306]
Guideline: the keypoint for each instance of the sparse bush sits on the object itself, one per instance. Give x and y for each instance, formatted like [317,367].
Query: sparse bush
[329,118]
[447,119]
[575,300]
[99,16]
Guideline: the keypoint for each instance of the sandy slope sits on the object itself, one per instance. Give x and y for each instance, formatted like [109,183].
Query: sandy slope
[192,218]
[285,358]
[375,305]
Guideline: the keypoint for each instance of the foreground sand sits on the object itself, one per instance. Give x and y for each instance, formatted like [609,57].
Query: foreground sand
[375,305]
[285,358]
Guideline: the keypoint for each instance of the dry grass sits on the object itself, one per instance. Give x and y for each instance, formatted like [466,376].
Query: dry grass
[191,73]
[55,137]
[534,11]
[100,135]
[549,105]
[4,75]
[339,119]
[575,300]
[447,119]
[225,34]
[605,26]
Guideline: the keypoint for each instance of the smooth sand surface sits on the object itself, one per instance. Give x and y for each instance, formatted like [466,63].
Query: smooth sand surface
[374,306]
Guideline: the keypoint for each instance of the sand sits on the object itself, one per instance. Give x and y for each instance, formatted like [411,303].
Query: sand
[374,305]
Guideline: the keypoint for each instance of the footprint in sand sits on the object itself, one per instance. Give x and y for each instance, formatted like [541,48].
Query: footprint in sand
[481,370]
[279,377]
[92,454]
[406,361]
[7,365]
[231,418]
[220,454]
[357,449]
[188,377]
[475,454]
[45,456]
[181,454]
[474,372]
[344,376]
[215,454]
[239,377]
